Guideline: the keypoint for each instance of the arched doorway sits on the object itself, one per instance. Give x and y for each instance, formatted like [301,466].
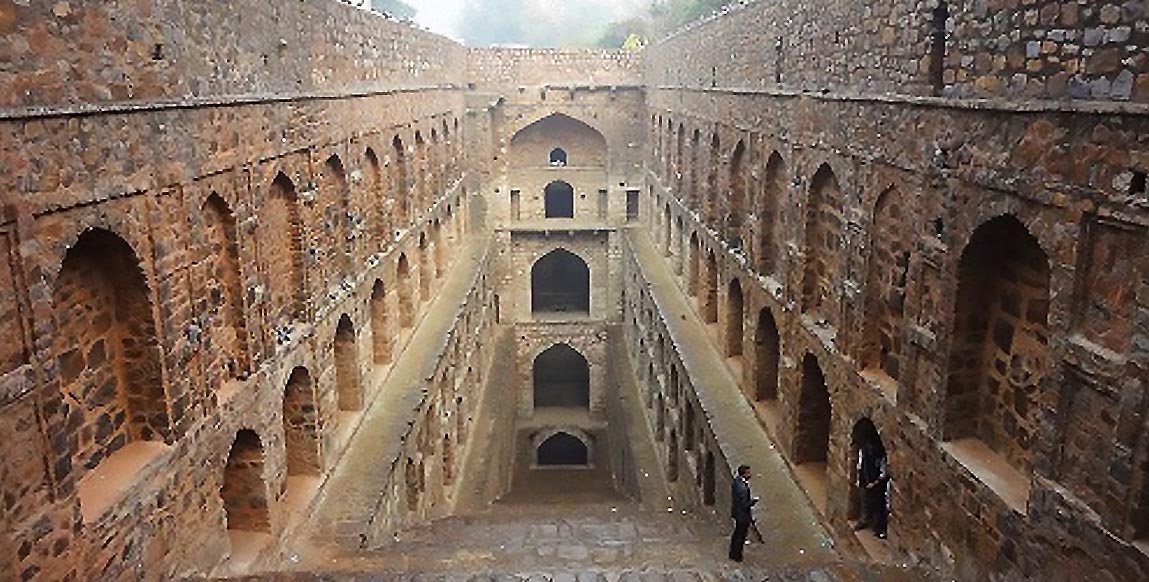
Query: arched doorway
[560,283]
[767,352]
[301,425]
[561,378]
[812,442]
[864,433]
[710,296]
[380,325]
[734,318]
[999,352]
[562,450]
[559,200]
[244,492]
[403,277]
[347,382]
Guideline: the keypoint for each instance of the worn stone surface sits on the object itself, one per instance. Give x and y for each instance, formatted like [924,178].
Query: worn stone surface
[267,279]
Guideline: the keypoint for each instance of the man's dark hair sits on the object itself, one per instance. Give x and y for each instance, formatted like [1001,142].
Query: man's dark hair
[742,469]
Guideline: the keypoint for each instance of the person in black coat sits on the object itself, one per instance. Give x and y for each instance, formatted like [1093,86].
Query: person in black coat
[741,503]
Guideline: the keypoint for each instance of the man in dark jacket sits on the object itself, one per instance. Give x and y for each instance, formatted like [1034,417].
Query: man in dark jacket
[741,503]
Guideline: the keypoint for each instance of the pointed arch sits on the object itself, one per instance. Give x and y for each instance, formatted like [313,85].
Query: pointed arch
[225,314]
[767,354]
[773,192]
[403,279]
[735,315]
[823,227]
[736,211]
[380,324]
[999,349]
[561,378]
[281,238]
[336,215]
[106,350]
[710,296]
[244,491]
[348,384]
[560,283]
[301,425]
[401,180]
[885,291]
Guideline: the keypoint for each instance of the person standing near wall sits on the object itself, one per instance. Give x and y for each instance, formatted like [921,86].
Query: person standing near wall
[873,479]
[741,504]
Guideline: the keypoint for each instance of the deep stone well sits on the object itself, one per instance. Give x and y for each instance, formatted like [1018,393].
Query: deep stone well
[222,227]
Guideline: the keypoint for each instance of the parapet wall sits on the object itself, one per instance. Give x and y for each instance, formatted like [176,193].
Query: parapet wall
[1009,50]
[489,69]
[91,52]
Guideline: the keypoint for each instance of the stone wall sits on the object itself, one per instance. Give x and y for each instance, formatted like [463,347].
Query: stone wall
[85,54]
[852,227]
[208,255]
[1056,49]
[507,68]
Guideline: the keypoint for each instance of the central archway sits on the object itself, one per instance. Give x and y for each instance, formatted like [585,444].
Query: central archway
[560,283]
[561,378]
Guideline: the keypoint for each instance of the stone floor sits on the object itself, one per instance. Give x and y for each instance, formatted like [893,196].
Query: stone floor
[571,526]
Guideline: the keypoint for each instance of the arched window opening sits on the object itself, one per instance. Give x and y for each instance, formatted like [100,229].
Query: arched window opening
[401,181]
[888,273]
[710,201]
[380,324]
[559,200]
[403,277]
[823,225]
[563,450]
[767,348]
[812,440]
[106,350]
[672,457]
[708,480]
[736,212]
[347,381]
[301,425]
[281,233]
[558,157]
[688,428]
[561,378]
[734,319]
[244,491]
[710,298]
[999,352]
[223,295]
[560,283]
[660,418]
[425,272]
[337,215]
[374,201]
[866,448]
[773,193]
[692,264]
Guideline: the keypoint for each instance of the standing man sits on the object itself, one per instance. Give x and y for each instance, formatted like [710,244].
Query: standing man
[741,503]
[873,482]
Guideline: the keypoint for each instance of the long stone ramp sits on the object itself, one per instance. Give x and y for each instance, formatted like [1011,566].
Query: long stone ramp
[351,496]
[789,525]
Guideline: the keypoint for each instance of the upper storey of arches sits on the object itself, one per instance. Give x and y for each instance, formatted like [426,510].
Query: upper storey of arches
[582,145]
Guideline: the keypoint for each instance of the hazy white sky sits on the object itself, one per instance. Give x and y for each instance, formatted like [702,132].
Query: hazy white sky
[438,15]
[442,16]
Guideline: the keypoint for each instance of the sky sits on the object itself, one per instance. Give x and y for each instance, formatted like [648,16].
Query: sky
[535,22]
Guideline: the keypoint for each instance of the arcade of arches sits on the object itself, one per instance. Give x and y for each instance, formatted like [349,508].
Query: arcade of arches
[357,302]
